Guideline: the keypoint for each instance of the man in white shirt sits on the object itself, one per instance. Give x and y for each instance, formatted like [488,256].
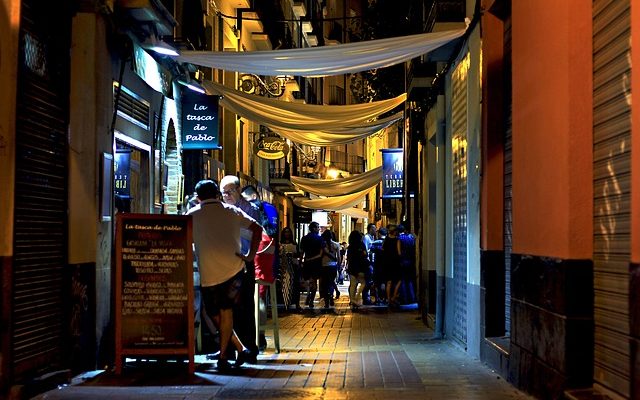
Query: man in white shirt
[370,236]
[217,232]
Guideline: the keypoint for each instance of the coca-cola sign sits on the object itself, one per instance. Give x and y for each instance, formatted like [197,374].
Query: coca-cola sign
[271,148]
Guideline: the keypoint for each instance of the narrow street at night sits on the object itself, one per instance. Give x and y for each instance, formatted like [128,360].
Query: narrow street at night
[373,353]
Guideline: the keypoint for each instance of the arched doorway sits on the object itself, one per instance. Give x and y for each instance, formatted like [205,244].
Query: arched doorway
[172,172]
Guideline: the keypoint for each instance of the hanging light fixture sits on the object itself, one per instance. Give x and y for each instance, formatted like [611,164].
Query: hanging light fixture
[185,80]
[159,46]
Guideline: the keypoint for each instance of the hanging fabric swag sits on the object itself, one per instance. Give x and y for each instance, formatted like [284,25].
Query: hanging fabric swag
[299,116]
[337,136]
[325,60]
[334,203]
[344,186]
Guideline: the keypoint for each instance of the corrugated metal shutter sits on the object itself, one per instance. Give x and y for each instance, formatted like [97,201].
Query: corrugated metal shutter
[459,149]
[612,192]
[508,195]
[40,244]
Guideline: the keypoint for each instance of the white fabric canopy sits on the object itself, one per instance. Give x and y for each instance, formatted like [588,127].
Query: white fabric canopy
[336,187]
[333,203]
[354,212]
[298,116]
[324,60]
[338,136]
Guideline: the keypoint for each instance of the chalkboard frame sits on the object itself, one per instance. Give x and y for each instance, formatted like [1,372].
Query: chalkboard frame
[121,349]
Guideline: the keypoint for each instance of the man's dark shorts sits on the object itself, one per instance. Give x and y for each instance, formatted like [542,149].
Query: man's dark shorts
[312,269]
[223,296]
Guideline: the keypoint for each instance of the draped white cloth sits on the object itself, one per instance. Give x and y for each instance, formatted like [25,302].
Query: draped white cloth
[343,186]
[298,116]
[334,203]
[324,60]
[337,136]
[354,212]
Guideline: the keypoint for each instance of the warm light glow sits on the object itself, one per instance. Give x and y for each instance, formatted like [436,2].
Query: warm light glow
[332,173]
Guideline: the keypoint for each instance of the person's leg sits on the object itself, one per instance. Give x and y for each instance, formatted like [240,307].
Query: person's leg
[360,287]
[324,287]
[226,331]
[313,288]
[353,282]
[244,321]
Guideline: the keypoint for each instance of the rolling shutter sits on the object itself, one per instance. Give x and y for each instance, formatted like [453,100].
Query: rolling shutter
[40,237]
[459,156]
[612,192]
[508,195]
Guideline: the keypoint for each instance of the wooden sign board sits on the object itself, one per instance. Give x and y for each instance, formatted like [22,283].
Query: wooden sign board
[154,287]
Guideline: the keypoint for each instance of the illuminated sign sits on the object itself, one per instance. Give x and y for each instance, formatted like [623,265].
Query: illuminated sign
[392,173]
[271,148]
[199,121]
[122,173]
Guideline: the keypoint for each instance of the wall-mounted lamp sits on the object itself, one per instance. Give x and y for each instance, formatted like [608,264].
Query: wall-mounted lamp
[157,45]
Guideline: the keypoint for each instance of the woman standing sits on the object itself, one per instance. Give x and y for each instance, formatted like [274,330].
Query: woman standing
[357,265]
[289,269]
[330,257]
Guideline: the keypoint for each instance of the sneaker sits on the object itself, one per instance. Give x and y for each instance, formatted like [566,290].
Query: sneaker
[214,356]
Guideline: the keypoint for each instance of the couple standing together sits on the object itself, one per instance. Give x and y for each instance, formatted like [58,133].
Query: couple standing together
[320,260]
[226,239]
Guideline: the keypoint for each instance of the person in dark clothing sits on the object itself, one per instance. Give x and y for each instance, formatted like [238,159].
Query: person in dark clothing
[311,256]
[407,264]
[393,273]
[376,256]
[330,257]
[357,264]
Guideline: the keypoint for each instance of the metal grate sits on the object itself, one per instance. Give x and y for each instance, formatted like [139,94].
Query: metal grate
[40,236]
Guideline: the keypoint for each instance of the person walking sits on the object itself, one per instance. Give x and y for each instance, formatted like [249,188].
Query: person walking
[217,232]
[244,315]
[357,262]
[330,257]
[311,256]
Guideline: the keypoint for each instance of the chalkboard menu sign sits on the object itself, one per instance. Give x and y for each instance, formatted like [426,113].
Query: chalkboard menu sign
[154,286]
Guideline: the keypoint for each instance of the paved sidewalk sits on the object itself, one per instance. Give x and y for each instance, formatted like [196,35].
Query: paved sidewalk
[370,354]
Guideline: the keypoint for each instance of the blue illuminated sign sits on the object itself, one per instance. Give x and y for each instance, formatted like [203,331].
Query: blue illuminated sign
[392,173]
[199,121]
